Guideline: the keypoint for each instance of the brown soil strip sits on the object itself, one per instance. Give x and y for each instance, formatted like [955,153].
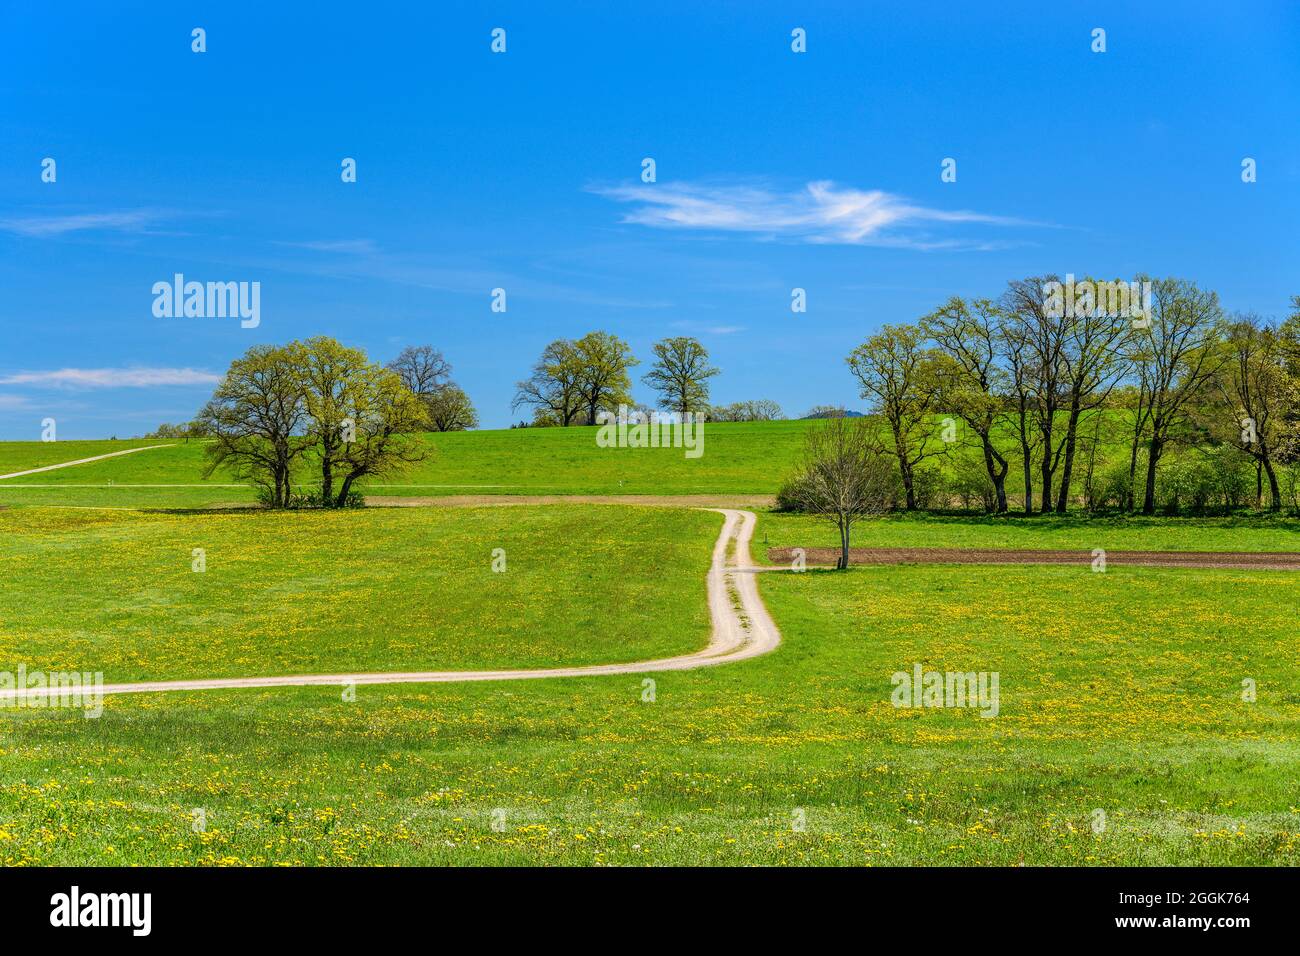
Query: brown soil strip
[671,501]
[1241,560]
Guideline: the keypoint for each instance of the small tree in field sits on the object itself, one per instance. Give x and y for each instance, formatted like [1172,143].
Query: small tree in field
[256,419]
[450,409]
[387,415]
[846,474]
[681,374]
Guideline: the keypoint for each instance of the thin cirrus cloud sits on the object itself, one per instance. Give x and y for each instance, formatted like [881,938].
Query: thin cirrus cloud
[821,212]
[49,226]
[84,378]
[358,247]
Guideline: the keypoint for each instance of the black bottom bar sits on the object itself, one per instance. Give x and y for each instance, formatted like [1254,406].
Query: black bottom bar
[942,906]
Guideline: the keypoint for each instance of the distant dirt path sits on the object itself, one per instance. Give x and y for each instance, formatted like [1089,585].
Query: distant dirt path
[713,502]
[84,461]
[736,636]
[1231,560]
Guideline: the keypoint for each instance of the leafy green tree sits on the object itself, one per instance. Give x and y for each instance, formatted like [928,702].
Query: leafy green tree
[1180,352]
[969,380]
[332,372]
[603,363]
[450,409]
[554,389]
[1255,399]
[898,374]
[681,374]
[384,440]
[1093,359]
[255,420]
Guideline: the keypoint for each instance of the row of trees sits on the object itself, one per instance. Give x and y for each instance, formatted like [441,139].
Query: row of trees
[319,405]
[427,374]
[1022,376]
[424,371]
[574,380]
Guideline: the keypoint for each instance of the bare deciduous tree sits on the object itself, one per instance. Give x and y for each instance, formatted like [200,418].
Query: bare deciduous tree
[846,475]
[422,369]
[1045,338]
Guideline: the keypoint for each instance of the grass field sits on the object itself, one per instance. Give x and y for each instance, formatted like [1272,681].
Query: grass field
[373,590]
[1082,532]
[1119,692]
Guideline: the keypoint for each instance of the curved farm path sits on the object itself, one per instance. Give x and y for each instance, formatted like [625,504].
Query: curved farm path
[83,461]
[737,634]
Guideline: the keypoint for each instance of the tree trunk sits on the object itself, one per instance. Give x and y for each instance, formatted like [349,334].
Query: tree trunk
[908,491]
[1067,467]
[346,487]
[905,469]
[1025,452]
[1275,501]
[996,467]
[1132,473]
[1047,470]
[844,548]
[1154,448]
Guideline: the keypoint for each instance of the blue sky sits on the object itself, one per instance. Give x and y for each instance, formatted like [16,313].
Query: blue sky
[521,170]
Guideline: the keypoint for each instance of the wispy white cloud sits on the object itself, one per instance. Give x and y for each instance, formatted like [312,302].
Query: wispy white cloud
[708,329]
[112,377]
[46,226]
[359,247]
[820,212]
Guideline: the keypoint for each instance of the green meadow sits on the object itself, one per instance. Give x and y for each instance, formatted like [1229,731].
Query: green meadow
[1146,715]
[1120,693]
[373,590]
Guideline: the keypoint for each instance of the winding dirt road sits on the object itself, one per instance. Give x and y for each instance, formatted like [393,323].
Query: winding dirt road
[737,634]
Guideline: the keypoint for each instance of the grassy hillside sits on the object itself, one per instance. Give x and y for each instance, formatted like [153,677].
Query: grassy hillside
[738,458]
[24,455]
